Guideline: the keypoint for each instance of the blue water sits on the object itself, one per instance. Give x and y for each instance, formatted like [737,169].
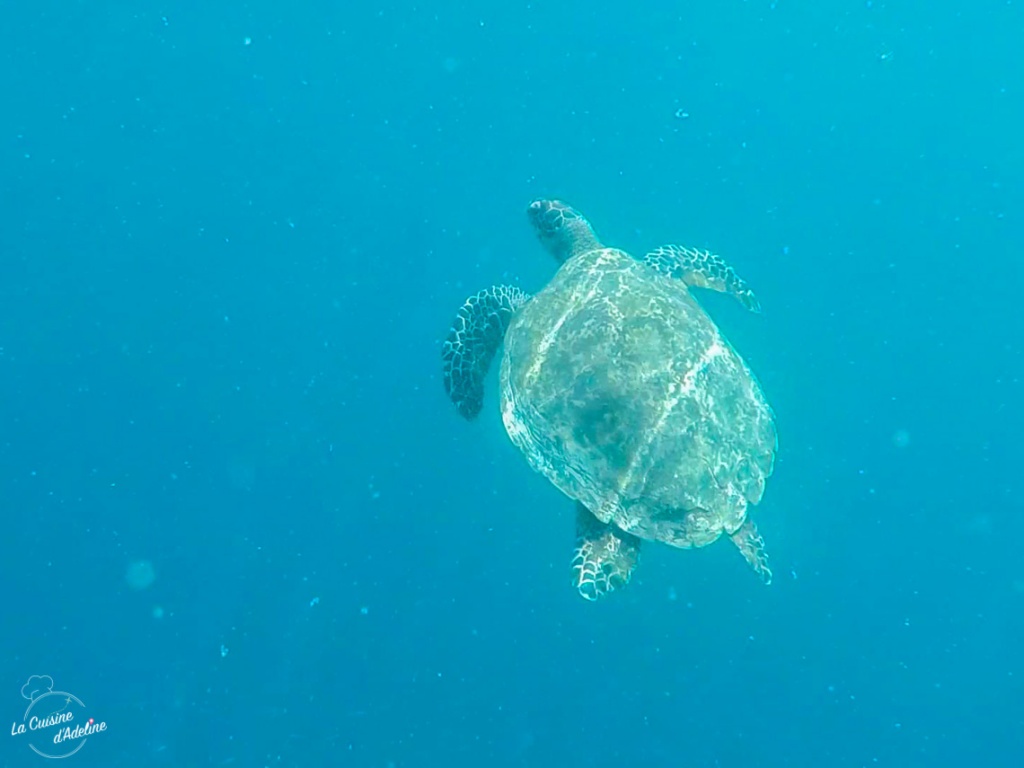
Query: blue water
[232,237]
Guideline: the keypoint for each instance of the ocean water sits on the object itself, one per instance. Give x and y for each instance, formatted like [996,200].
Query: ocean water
[243,525]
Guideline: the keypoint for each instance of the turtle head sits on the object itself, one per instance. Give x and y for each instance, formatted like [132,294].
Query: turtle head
[562,229]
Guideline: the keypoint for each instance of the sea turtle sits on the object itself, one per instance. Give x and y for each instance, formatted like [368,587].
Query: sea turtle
[620,389]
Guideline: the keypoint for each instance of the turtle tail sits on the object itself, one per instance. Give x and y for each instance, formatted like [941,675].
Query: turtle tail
[472,341]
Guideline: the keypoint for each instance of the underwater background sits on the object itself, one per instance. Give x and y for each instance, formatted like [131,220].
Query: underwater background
[244,525]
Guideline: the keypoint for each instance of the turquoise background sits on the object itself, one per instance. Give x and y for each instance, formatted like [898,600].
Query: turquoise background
[232,237]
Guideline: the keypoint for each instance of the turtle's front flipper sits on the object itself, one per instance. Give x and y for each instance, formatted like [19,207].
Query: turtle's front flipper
[474,337]
[604,558]
[751,546]
[702,269]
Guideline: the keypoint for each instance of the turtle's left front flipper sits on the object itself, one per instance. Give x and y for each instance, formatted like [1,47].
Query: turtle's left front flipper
[472,341]
[751,546]
[702,269]
[604,558]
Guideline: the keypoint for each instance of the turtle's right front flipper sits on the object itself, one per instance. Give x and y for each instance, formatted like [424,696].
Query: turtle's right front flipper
[702,269]
[605,555]
[474,337]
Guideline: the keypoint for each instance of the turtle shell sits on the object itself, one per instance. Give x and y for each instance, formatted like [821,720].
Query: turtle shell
[620,389]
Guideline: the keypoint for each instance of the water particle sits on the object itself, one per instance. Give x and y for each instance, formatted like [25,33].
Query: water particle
[140,575]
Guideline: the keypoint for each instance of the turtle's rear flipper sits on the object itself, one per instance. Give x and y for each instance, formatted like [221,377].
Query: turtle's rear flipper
[751,546]
[604,558]
[474,337]
[702,269]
